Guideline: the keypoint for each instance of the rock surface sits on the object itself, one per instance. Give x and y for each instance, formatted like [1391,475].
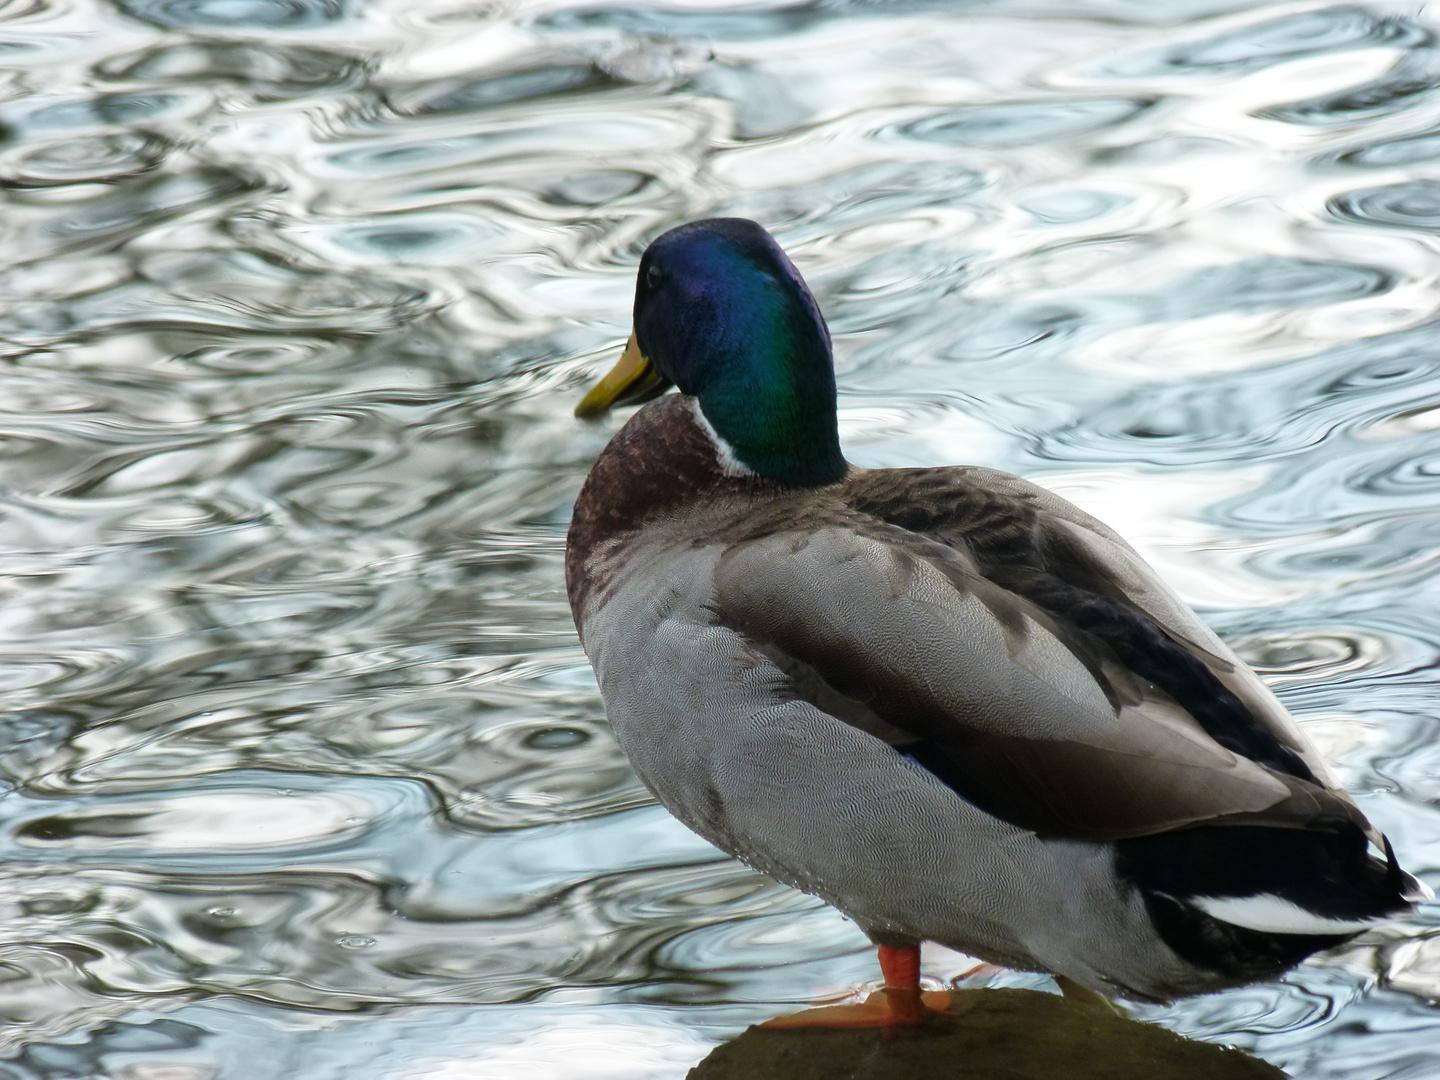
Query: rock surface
[997,1034]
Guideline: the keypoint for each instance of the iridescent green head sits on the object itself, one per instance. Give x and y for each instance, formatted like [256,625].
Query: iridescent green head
[722,314]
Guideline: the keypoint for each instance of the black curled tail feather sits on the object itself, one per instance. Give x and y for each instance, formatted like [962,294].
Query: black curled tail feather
[1394,876]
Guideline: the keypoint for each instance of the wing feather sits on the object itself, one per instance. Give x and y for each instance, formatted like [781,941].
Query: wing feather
[981,683]
[1022,534]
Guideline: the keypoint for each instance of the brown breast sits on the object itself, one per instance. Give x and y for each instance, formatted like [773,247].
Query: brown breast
[660,460]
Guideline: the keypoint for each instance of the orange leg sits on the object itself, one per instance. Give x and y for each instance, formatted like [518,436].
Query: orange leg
[901,968]
[900,1004]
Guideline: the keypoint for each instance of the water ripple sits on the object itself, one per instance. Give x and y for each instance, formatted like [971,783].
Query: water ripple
[1413,204]
[1268,42]
[276,14]
[270,72]
[1022,122]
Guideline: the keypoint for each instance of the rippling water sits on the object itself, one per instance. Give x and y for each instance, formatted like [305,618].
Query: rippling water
[306,773]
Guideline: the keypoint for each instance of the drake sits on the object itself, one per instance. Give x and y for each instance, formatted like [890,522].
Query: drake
[944,700]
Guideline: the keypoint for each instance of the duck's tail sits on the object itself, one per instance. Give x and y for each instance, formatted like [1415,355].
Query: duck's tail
[1251,901]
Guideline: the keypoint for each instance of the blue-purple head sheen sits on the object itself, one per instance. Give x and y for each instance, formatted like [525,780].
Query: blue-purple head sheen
[722,313]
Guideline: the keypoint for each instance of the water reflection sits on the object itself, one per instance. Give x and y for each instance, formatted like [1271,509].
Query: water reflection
[304,772]
[1415,204]
[279,14]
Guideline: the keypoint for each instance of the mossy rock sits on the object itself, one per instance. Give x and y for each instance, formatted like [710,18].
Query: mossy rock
[994,1035]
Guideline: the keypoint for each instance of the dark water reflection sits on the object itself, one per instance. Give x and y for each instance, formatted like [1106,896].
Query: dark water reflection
[304,771]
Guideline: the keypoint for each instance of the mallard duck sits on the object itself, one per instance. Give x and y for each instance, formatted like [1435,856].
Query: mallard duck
[944,700]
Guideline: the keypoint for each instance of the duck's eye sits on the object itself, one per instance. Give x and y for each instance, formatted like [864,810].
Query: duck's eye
[654,276]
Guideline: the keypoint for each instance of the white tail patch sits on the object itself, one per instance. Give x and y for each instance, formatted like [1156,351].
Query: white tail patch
[1273,914]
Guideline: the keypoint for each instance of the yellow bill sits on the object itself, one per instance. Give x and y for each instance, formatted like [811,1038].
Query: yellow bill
[632,378]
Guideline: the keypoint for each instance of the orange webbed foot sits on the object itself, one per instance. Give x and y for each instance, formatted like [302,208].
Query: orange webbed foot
[901,1004]
[888,1008]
